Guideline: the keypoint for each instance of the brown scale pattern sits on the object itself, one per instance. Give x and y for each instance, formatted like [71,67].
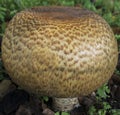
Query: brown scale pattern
[59,51]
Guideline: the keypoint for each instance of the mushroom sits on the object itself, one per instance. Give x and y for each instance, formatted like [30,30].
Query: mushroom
[60,52]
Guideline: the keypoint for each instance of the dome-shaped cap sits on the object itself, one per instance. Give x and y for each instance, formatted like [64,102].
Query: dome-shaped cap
[59,51]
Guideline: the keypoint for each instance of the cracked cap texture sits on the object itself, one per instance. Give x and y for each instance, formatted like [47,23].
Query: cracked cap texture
[59,51]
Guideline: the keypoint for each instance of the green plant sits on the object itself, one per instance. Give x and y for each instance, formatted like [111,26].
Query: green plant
[66,2]
[115,112]
[3,74]
[118,72]
[2,28]
[94,111]
[62,113]
[101,95]
[104,107]
[117,36]
[2,13]
[45,98]
[102,92]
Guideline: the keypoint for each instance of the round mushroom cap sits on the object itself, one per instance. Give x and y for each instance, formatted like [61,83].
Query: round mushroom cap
[59,51]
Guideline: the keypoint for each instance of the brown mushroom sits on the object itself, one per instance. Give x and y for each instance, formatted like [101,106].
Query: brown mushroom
[59,52]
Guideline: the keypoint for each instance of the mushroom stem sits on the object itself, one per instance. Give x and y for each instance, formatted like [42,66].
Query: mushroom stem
[65,104]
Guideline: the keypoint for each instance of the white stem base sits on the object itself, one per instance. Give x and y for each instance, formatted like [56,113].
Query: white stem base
[65,104]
